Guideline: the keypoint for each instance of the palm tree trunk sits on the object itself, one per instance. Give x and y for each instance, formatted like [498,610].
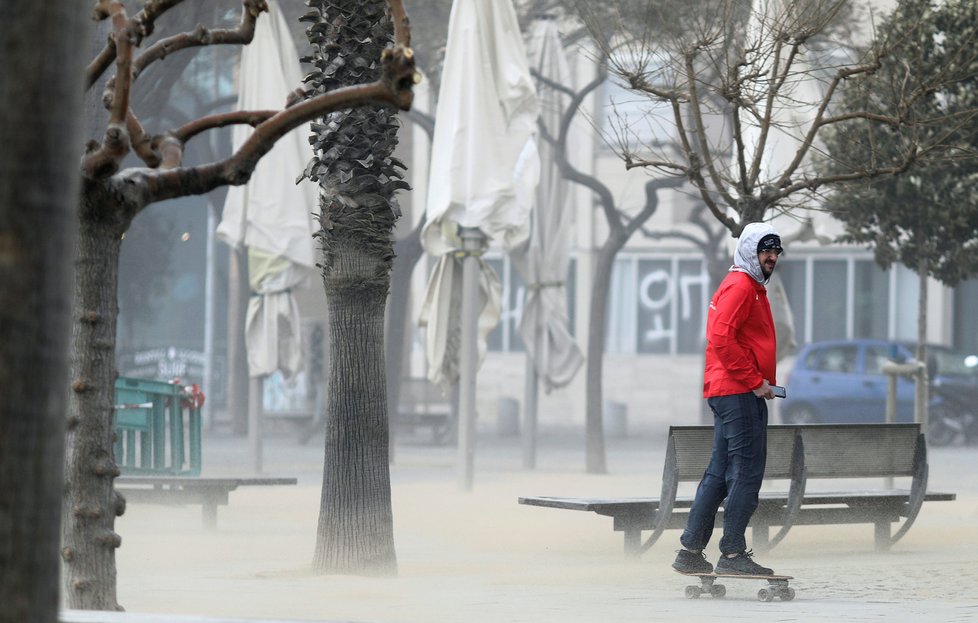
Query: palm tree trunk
[354,168]
[355,523]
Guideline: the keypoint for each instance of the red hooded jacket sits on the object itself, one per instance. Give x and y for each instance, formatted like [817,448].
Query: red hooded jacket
[741,347]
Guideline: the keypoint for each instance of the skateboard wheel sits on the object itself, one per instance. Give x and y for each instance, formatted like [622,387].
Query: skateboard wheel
[765,595]
[693,592]
[718,591]
[787,594]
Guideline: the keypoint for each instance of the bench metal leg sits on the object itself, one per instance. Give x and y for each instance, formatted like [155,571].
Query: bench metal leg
[881,532]
[633,543]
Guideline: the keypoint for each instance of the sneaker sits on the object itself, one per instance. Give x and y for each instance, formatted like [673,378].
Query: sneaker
[741,564]
[689,562]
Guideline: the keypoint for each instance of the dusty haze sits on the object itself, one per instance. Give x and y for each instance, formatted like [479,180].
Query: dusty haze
[480,556]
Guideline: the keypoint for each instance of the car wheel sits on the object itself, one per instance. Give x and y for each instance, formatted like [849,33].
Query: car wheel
[800,415]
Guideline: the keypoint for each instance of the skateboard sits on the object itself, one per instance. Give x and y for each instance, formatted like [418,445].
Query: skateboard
[777,586]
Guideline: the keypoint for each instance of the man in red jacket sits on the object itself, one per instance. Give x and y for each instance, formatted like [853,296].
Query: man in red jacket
[740,369]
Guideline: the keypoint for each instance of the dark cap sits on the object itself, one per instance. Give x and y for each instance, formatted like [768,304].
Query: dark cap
[770,242]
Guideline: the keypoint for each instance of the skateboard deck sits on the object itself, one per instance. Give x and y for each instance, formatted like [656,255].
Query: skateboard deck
[777,585]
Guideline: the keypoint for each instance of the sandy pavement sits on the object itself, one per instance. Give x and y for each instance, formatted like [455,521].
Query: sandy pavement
[479,556]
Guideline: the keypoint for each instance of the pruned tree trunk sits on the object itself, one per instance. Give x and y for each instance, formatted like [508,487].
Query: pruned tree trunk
[40,129]
[91,503]
[354,167]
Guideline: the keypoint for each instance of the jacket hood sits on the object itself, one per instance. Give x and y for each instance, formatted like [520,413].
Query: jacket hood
[745,257]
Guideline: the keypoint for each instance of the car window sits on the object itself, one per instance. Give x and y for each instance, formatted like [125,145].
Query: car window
[836,359]
[876,356]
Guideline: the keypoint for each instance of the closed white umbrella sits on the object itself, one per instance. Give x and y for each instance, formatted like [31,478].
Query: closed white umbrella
[272,215]
[484,167]
[554,355]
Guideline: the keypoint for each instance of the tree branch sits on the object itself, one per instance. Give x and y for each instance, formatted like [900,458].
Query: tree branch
[145,21]
[104,160]
[242,35]
[699,128]
[237,169]
[221,120]
[652,188]
[569,171]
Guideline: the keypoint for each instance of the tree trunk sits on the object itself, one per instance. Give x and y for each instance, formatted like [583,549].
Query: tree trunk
[90,502]
[40,86]
[355,523]
[595,462]
[922,383]
[354,167]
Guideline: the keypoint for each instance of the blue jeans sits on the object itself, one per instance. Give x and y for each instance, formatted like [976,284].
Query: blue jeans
[735,473]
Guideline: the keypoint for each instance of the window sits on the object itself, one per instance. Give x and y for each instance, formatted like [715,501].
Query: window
[837,359]
[876,356]
[871,300]
[848,297]
[829,289]
[656,295]
[657,305]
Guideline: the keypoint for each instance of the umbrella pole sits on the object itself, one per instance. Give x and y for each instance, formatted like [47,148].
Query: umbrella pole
[255,407]
[530,397]
[473,242]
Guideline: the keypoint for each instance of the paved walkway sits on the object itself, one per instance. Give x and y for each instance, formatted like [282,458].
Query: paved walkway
[479,556]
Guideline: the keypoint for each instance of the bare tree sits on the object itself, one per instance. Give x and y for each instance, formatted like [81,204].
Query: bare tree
[111,197]
[748,93]
[622,226]
[40,86]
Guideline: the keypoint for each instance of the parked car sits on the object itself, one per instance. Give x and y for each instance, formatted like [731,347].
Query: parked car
[843,381]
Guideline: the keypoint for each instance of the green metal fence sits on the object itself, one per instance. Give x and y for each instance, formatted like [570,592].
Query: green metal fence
[157,427]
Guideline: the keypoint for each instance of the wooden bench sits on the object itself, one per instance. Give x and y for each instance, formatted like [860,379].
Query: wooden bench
[208,492]
[422,405]
[798,455]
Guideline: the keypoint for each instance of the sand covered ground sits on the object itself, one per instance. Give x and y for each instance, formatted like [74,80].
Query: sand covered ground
[481,557]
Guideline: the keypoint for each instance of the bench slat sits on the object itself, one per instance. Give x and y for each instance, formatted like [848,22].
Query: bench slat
[859,450]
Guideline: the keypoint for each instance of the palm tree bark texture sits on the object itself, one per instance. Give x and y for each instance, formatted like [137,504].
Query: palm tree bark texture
[111,197]
[358,176]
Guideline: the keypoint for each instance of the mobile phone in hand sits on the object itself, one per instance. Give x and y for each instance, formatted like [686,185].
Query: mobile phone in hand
[779,392]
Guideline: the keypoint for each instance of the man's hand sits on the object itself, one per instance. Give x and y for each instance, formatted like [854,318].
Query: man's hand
[764,391]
